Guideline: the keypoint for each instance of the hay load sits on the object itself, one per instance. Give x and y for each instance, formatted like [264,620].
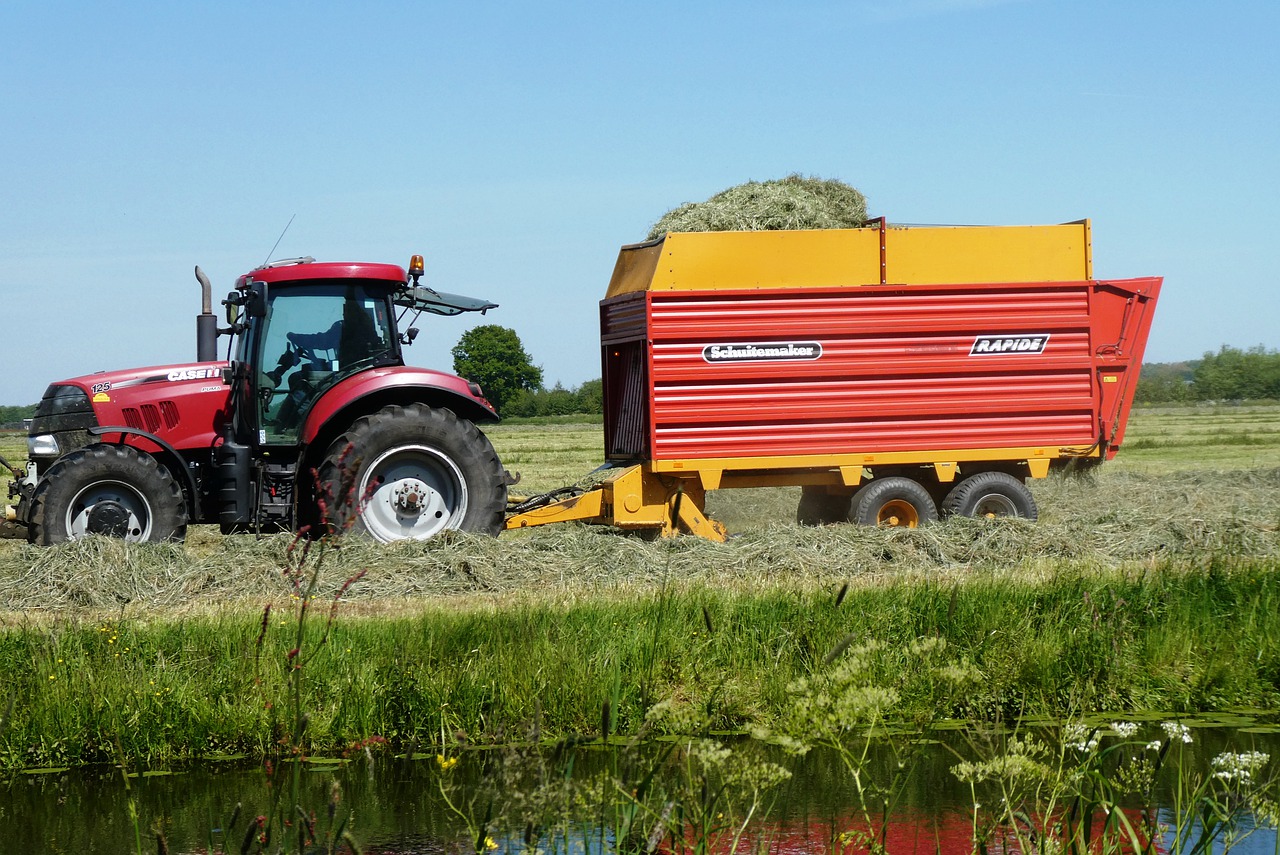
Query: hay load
[794,202]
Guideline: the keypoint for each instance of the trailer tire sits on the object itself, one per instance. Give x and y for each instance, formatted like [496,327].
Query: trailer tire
[409,473]
[894,501]
[820,507]
[111,490]
[990,495]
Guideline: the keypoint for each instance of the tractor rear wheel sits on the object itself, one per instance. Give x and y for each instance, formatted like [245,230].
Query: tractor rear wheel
[990,494]
[893,501]
[111,490]
[409,473]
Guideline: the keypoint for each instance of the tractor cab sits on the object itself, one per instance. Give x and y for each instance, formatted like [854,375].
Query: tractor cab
[310,338]
[319,386]
[302,328]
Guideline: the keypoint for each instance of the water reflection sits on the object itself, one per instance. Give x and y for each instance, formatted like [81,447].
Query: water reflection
[404,806]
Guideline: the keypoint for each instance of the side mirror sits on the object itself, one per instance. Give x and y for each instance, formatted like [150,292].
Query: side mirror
[232,304]
[256,300]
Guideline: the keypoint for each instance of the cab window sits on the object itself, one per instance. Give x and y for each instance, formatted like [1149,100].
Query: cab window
[312,337]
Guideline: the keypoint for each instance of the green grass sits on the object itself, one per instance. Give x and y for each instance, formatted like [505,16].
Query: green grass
[1178,638]
[1163,440]
[547,456]
[1150,585]
[13,448]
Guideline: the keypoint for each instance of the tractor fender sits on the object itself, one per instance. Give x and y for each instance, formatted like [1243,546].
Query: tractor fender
[167,456]
[370,391]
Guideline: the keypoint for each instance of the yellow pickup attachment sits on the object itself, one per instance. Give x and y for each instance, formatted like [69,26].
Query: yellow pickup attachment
[633,498]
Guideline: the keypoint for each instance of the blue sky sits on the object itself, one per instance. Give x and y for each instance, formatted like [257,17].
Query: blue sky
[518,145]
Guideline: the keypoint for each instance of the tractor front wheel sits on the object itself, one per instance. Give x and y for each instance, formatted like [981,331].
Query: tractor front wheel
[409,473]
[111,490]
[894,501]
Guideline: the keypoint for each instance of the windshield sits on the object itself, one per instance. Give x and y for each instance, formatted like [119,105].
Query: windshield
[312,337]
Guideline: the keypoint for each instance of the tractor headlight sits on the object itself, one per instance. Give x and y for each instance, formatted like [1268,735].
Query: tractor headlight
[44,445]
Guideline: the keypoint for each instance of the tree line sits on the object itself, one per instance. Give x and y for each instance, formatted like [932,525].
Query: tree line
[11,417]
[493,356]
[1231,374]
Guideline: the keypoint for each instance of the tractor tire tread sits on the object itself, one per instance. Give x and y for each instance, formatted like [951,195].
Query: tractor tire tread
[964,497]
[372,434]
[879,492]
[101,459]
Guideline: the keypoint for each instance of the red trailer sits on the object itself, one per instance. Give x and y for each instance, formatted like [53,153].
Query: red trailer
[895,373]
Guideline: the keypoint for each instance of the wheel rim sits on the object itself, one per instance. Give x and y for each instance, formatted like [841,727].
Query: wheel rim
[112,509]
[411,493]
[898,514]
[994,505]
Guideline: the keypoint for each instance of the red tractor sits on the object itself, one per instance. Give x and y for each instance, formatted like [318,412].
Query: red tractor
[314,420]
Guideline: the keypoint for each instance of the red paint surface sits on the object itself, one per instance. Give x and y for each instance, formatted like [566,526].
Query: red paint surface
[895,374]
[327,270]
[381,379]
[186,413]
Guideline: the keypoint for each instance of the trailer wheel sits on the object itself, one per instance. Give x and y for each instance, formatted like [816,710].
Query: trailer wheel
[111,490]
[990,495]
[409,473]
[819,507]
[893,501]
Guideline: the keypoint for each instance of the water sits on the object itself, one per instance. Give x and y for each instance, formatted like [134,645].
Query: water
[399,806]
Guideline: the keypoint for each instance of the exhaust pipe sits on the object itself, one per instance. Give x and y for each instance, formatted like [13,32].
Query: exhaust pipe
[206,322]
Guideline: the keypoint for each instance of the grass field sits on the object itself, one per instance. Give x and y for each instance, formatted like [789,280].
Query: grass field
[1152,583]
[1171,641]
[1192,481]
[1199,438]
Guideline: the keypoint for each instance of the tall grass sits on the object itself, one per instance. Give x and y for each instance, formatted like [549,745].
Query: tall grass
[1175,637]
[1136,590]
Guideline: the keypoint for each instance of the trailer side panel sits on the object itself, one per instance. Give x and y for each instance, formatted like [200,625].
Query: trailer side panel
[838,371]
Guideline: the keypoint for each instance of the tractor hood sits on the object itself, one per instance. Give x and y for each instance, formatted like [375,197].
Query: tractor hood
[184,404]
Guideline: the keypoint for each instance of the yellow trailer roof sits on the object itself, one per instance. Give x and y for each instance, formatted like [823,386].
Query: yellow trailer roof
[875,255]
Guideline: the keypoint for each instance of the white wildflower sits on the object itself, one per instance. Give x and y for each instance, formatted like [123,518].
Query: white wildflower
[1081,737]
[927,645]
[1124,729]
[710,753]
[1176,731]
[1239,767]
[1153,745]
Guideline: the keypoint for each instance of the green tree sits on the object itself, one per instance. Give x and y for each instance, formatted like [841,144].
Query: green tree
[1164,383]
[494,357]
[13,416]
[1234,374]
[560,401]
[523,404]
[557,401]
[591,397]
